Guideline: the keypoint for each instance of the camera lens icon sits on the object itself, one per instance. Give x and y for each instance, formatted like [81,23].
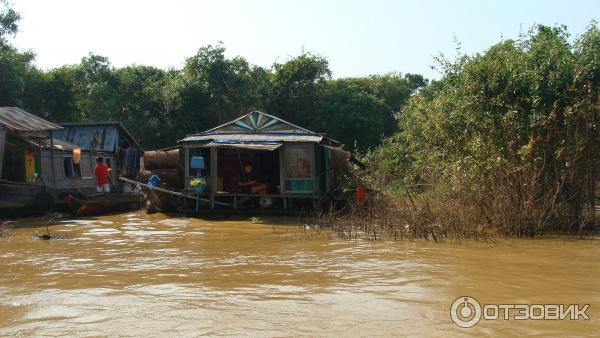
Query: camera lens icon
[465,311]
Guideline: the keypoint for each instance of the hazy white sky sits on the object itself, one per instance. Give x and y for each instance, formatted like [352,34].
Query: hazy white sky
[358,37]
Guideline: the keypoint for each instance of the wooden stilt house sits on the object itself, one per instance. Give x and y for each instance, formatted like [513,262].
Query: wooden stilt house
[298,166]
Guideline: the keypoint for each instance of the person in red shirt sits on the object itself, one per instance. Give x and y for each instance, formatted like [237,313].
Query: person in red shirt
[101,172]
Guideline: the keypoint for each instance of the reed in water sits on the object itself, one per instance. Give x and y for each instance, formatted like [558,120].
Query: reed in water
[454,211]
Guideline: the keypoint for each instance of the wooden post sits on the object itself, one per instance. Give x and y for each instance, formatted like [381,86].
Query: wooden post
[282,175]
[186,163]
[115,171]
[93,165]
[2,142]
[213,176]
[51,159]
[314,175]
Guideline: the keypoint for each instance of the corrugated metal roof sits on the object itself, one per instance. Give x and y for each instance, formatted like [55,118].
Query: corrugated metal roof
[95,137]
[59,144]
[18,120]
[258,126]
[121,128]
[254,137]
[256,145]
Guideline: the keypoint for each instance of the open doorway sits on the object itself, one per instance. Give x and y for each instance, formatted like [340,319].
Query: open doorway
[232,168]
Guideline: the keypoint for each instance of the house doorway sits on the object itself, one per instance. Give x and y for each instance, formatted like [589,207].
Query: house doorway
[264,169]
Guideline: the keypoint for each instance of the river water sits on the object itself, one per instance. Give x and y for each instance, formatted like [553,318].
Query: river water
[134,274]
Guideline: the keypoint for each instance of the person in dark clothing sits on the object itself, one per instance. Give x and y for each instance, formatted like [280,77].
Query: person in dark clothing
[249,181]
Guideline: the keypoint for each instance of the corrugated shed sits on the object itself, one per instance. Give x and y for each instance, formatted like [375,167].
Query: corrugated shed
[253,137]
[19,121]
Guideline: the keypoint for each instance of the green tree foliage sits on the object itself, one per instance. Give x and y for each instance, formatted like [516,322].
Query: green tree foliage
[360,111]
[8,21]
[295,85]
[14,66]
[162,106]
[522,118]
[15,71]
[139,97]
[216,89]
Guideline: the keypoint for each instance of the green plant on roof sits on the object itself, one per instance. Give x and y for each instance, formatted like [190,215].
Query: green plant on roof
[197,181]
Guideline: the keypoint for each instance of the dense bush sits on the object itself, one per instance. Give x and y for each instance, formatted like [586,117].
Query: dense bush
[511,134]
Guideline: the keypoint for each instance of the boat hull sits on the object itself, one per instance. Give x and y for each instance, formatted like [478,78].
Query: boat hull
[102,203]
[159,201]
[23,197]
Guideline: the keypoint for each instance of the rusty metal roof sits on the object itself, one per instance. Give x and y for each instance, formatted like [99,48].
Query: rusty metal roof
[59,144]
[95,135]
[118,125]
[254,137]
[19,121]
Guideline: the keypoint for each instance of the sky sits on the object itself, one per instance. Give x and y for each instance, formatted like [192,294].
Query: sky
[357,37]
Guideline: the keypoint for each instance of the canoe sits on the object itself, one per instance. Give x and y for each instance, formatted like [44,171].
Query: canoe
[102,203]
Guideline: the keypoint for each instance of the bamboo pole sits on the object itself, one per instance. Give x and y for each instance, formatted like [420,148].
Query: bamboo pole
[167,191]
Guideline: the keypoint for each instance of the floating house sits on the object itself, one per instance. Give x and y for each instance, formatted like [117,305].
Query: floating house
[42,162]
[298,167]
[120,150]
[23,138]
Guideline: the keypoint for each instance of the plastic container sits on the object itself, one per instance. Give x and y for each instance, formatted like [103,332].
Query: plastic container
[197,162]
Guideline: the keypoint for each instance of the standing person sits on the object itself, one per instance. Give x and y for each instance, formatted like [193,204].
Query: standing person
[101,172]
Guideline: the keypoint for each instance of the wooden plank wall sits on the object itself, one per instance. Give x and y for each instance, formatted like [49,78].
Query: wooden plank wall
[87,164]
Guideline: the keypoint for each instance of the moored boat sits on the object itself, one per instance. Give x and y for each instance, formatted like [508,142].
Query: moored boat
[20,196]
[102,203]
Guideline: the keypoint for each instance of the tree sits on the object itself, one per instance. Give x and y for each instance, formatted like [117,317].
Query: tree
[140,98]
[294,88]
[209,90]
[515,129]
[95,89]
[13,64]
[8,21]
[14,67]
[351,111]
[216,89]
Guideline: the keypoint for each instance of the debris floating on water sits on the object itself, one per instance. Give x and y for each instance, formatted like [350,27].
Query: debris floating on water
[4,226]
[47,236]
[51,218]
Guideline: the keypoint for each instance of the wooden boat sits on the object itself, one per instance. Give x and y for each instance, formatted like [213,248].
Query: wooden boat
[159,201]
[159,198]
[102,203]
[26,197]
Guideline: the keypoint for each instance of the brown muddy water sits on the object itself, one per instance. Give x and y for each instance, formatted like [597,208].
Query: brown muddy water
[149,275]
